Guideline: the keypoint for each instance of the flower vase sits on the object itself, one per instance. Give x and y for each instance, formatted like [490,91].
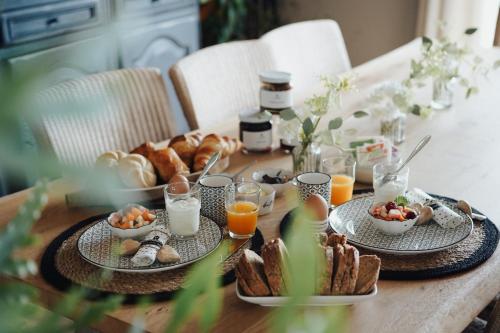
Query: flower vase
[393,127]
[306,158]
[442,94]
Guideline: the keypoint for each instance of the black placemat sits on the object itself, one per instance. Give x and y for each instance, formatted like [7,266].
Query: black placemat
[480,255]
[52,276]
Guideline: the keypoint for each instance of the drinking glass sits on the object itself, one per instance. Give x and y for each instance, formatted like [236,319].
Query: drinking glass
[342,168]
[242,208]
[390,190]
[183,204]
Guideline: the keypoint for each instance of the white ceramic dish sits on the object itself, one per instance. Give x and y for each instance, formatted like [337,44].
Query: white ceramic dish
[273,172]
[134,233]
[266,202]
[392,227]
[352,219]
[312,301]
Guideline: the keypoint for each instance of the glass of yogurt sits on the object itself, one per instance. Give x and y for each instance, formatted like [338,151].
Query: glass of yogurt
[390,190]
[183,204]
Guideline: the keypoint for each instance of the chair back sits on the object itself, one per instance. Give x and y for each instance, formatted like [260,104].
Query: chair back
[107,111]
[308,50]
[221,81]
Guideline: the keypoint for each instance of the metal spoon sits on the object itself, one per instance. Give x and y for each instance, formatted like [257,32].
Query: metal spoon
[393,175]
[214,158]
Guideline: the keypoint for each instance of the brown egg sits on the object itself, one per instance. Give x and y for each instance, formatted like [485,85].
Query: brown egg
[181,184]
[318,206]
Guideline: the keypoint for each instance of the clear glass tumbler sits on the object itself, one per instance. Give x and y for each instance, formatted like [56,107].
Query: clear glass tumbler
[242,208]
[390,190]
[183,204]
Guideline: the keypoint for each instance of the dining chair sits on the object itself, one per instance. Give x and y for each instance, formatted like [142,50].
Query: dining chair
[219,82]
[116,110]
[308,50]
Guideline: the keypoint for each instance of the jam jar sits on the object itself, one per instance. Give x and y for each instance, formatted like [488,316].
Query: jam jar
[275,91]
[256,132]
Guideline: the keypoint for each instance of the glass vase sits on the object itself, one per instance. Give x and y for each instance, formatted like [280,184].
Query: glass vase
[394,127]
[442,94]
[306,159]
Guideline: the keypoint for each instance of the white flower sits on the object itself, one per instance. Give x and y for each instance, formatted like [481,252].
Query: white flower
[387,98]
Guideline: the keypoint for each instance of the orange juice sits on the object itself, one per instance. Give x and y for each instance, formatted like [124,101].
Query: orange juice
[242,218]
[342,186]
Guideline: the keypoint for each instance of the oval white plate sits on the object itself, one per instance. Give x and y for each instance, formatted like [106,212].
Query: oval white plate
[312,301]
[97,245]
[352,220]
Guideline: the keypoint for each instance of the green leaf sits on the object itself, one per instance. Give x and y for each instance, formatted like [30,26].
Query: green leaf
[360,114]
[401,200]
[471,91]
[415,109]
[470,31]
[308,126]
[288,114]
[496,64]
[335,123]
[427,42]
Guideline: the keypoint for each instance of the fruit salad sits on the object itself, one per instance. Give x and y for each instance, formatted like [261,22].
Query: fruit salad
[393,211]
[131,217]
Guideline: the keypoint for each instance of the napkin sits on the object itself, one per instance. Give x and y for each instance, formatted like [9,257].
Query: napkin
[443,215]
[152,243]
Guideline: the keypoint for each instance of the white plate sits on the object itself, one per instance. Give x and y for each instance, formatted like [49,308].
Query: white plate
[97,245]
[352,220]
[312,301]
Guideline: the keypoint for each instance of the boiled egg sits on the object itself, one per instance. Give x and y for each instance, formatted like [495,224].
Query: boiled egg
[181,184]
[317,206]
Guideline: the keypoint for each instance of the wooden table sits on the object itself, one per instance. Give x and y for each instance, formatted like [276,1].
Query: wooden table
[461,162]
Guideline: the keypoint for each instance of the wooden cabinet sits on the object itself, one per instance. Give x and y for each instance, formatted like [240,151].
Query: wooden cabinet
[161,45]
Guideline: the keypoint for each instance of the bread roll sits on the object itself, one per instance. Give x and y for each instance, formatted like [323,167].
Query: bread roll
[136,171]
[110,159]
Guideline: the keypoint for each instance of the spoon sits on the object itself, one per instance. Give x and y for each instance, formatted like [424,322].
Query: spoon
[391,176]
[214,158]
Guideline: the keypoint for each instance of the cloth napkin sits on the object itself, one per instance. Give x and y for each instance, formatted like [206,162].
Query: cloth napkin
[443,215]
[152,243]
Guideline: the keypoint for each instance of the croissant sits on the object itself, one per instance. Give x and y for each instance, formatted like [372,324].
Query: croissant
[232,146]
[211,144]
[185,146]
[144,149]
[167,163]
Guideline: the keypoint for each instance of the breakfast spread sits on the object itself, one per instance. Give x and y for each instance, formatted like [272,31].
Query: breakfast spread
[346,272]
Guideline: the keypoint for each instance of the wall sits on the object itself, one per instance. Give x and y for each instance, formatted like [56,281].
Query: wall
[370,27]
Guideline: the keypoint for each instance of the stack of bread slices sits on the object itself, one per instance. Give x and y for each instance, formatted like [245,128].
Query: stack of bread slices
[345,273]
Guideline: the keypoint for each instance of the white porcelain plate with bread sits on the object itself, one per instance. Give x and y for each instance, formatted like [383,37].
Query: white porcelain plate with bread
[353,219]
[348,277]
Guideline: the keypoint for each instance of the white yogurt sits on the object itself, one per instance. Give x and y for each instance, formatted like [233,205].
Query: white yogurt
[184,216]
[389,191]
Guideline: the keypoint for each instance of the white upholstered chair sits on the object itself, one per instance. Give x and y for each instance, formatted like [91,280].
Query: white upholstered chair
[222,80]
[308,50]
[107,111]
[219,82]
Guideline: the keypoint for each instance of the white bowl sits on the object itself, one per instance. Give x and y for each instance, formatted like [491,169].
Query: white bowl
[135,233]
[392,227]
[272,172]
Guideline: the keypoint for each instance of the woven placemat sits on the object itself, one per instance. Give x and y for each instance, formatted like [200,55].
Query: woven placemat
[62,267]
[466,255]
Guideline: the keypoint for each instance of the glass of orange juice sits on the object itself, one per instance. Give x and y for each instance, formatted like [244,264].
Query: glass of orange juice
[341,167]
[242,208]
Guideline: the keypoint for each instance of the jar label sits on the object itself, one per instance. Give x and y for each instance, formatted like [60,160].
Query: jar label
[258,140]
[276,99]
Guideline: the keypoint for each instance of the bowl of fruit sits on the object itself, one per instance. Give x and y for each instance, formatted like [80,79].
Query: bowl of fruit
[393,217]
[132,221]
